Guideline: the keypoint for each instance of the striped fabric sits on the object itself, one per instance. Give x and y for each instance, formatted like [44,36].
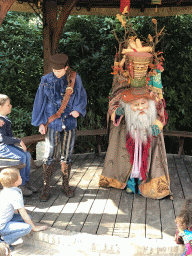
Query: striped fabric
[53,139]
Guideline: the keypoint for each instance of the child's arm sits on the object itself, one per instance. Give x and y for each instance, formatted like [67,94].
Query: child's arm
[28,220]
[22,144]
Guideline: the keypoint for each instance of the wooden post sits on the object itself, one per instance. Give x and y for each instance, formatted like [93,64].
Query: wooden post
[49,28]
[4,8]
[52,28]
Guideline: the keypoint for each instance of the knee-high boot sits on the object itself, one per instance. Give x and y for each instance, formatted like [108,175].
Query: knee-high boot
[66,169]
[47,172]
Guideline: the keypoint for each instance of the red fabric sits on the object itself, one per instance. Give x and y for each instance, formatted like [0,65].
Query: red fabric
[160,106]
[130,145]
[123,4]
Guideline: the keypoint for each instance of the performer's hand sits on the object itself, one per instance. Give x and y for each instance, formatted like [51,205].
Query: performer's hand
[120,111]
[22,144]
[42,129]
[74,113]
[155,130]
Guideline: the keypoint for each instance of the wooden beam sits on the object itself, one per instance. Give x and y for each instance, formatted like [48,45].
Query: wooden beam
[4,8]
[160,11]
[66,11]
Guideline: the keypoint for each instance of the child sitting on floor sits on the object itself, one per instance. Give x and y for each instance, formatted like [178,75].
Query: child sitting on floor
[14,219]
[9,150]
[184,227]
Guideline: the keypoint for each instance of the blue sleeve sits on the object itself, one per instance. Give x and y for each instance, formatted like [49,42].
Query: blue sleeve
[40,102]
[80,97]
[6,135]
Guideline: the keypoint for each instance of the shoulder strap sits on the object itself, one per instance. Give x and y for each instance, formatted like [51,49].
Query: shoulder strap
[68,92]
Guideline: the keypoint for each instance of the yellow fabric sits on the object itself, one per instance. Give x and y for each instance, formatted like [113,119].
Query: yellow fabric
[109,182]
[113,116]
[156,188]
[159,124]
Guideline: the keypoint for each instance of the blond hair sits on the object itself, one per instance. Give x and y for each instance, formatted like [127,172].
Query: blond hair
[4,249]
[8,177]
[3,99]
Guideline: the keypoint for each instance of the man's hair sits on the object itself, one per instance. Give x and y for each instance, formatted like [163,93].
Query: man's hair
[3,99]
[8,177]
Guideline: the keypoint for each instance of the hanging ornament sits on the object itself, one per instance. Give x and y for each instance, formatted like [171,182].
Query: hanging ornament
[123,4]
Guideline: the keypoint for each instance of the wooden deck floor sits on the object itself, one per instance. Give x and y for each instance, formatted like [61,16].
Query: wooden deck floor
[112,212]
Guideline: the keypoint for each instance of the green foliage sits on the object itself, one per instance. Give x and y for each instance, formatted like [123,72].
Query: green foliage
[21,123]
[21,59]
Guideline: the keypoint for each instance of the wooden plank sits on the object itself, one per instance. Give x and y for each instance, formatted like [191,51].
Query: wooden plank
[167,218]
[87,199]
[153,219]
[108,11]
[69,208]
[123,220]
[176,186]
[11,163]
[93,220]
[137,228]
[177,133]
[38,209]
[107,222]
[184,177]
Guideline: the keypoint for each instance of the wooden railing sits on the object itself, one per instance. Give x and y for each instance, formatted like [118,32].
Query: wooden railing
[32,140]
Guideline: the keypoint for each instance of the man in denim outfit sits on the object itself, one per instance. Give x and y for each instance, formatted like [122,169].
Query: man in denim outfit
[47,102]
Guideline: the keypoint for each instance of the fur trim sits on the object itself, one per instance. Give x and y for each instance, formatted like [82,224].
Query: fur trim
[130,145]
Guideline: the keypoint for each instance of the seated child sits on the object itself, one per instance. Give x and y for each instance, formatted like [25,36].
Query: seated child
[14,219]
[184,227]
[9,150]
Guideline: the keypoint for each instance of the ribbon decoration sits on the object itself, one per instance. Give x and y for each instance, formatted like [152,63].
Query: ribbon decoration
[123,4]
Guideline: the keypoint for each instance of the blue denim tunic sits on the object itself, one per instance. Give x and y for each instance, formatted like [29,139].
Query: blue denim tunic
[48,100]
[6,134]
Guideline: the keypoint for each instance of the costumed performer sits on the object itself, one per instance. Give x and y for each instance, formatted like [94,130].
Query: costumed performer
[136,156]
[60,100]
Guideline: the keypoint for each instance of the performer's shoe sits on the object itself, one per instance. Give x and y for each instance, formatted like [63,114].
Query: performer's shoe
[44,197]
[47,172]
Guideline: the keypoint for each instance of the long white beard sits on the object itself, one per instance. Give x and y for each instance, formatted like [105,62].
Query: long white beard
[140,124]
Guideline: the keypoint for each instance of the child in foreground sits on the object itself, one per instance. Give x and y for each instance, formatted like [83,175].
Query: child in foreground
[184,227]
[14,219]
[9,149]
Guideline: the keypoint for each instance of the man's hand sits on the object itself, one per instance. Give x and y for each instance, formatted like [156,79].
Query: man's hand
[22,144]
[42,129]
[74,113]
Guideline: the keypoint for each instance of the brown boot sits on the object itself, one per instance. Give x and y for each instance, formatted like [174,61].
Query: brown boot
[66,168]
[47,171]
